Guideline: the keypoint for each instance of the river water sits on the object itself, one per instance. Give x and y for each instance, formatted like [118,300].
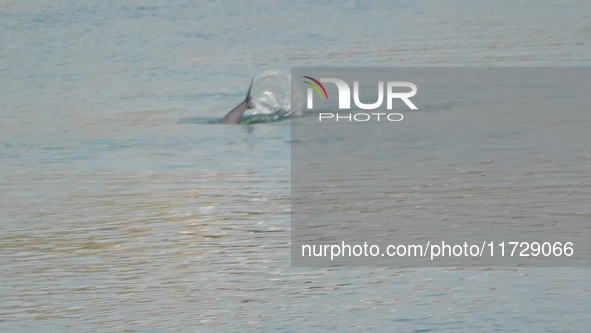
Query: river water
[122,208]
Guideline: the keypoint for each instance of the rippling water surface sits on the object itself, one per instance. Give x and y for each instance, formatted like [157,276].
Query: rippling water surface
[115,214]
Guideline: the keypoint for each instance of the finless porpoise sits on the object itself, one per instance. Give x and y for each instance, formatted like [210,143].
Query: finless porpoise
[235,116]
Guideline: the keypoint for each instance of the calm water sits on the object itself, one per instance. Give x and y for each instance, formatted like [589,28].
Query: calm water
[115,214]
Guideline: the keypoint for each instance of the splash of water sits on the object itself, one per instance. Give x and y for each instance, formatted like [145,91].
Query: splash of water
[271,94]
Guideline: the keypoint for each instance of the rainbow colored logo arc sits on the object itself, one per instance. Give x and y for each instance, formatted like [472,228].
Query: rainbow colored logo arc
[315,87]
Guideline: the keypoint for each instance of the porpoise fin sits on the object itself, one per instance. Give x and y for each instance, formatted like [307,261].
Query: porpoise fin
[235,116]
[248,96]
